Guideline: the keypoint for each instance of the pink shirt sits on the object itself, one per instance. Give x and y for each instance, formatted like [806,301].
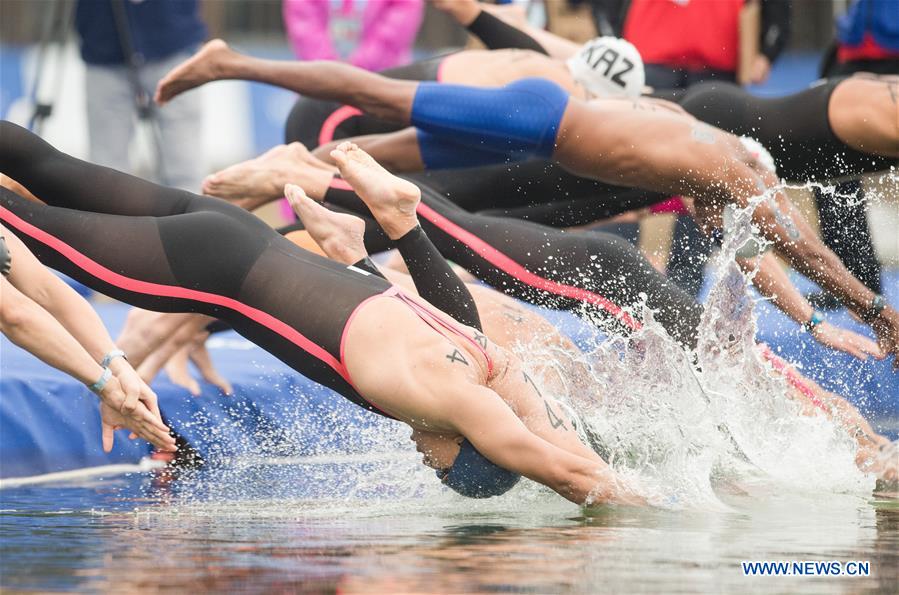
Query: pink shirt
[387,32]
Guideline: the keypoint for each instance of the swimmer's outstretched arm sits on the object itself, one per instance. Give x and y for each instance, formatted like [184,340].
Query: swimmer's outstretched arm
[675,154]
[489,424]
[773,282]
[126,401]
[795,240]
[33,329]
[79,319]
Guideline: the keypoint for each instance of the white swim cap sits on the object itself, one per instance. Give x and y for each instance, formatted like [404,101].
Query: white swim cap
[609,67]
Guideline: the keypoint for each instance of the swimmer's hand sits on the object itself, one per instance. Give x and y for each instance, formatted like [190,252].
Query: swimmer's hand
[847,341]
[117,412]
[135,389]
[886,327]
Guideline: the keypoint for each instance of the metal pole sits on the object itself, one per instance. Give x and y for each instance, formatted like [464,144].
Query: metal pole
[143,101]
[57,25]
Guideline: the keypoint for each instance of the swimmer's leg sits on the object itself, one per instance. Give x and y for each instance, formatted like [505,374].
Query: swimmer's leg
[393,202]
[864,114]
[583,272]
[478,118]
[64,181]
[382,97]
[139,260]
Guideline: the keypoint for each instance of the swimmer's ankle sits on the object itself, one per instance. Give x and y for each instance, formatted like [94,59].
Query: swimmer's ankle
[398,229]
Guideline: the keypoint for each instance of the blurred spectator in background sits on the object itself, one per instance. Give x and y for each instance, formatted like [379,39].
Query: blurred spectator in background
[687,41]
[128,45]
[867,40]
[370,34]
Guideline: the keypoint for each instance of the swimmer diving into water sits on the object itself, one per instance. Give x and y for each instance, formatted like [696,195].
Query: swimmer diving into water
[630,144]
[194,254]
[505,322]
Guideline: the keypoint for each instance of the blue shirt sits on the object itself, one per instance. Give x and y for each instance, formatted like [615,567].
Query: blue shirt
[159,28]
[878,18]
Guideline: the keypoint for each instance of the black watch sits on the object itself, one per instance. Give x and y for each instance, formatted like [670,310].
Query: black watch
[873,311]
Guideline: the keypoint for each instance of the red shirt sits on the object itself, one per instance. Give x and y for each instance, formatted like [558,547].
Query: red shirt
[692,34]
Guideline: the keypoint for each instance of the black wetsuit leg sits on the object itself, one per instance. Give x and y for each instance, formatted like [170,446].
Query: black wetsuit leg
[499,35]
[536,190]
[844,223]
[169,250]
[795,129]
[584,272]
[435,280]
[314,122]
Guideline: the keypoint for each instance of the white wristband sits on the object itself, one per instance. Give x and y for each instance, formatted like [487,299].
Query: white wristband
[107,359]
[101,382]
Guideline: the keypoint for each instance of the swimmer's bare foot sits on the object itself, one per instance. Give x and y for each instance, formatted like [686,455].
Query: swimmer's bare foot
[390,199]
[253,183]
[207,65]
[338,234]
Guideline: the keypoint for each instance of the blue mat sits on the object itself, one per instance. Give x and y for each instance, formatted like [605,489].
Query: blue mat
[49,422]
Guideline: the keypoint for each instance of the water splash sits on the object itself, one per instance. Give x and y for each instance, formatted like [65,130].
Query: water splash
[683,426]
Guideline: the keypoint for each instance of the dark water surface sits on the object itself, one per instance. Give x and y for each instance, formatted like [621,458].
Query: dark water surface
[136,534]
